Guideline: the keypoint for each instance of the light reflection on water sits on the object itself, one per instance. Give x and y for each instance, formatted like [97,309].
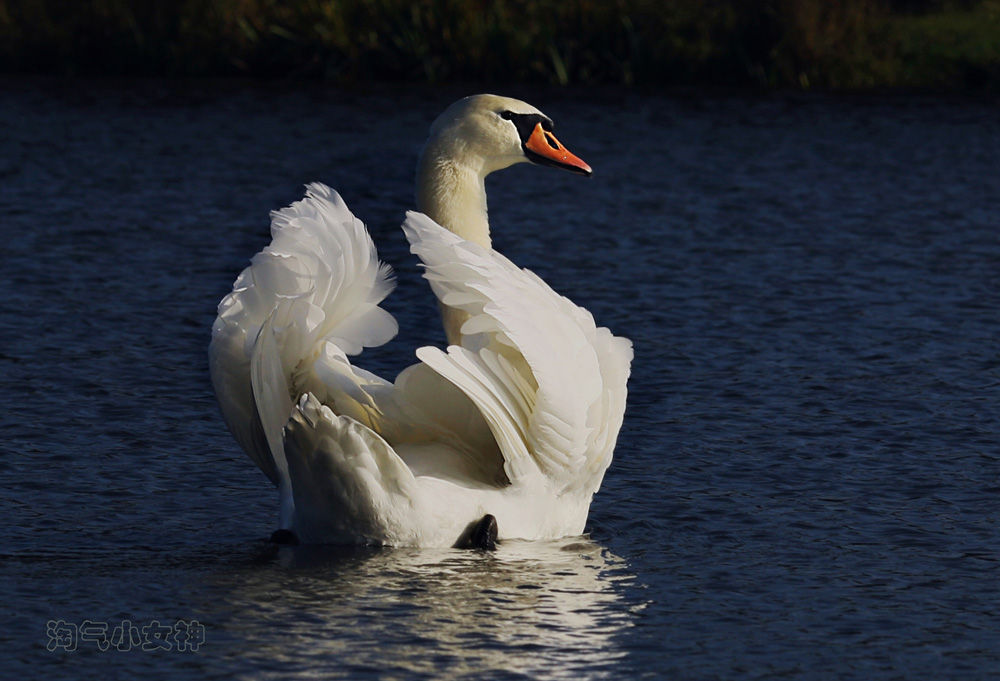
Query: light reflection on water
[536,609]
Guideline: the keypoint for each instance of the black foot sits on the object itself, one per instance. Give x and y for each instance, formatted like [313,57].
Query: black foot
[285,537]
[484,534]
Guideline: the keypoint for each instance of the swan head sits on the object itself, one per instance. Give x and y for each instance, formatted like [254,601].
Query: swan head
[490,133]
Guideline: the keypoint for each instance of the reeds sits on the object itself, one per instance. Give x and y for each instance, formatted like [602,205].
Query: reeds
[849,44]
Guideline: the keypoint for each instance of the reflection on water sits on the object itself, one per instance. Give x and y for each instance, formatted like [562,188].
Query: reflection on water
[530,609]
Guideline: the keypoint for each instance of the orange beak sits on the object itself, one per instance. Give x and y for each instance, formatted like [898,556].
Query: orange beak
[543,148]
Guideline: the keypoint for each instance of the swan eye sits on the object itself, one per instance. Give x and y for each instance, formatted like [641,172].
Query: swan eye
[506,115]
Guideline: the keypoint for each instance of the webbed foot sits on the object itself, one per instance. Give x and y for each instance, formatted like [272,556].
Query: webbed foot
[284,537]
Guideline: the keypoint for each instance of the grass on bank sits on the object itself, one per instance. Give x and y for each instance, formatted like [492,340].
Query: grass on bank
[849,44]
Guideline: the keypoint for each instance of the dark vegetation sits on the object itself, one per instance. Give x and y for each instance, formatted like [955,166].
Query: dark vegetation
[830,44]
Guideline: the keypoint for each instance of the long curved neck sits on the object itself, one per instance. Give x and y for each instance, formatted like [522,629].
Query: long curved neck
[453,194]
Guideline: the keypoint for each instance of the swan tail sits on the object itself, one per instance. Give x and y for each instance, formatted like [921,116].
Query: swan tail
[550,382]
[348,485]
[318,283]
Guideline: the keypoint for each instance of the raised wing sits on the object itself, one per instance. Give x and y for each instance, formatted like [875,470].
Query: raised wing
[318,282]
[548,381]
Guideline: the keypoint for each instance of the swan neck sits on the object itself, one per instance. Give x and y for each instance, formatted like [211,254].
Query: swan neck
[453,194]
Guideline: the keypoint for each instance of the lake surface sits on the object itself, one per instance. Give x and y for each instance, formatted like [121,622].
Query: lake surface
[807,484]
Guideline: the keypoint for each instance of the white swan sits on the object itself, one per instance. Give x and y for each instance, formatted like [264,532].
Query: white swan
[517,420]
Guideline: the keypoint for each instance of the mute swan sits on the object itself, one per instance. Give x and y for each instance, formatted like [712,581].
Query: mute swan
[505,434]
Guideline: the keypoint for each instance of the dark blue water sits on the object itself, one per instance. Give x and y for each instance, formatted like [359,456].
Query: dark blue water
[807,484]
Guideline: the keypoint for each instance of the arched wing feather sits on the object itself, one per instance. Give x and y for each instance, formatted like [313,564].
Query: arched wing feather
[550,383]
[318,281]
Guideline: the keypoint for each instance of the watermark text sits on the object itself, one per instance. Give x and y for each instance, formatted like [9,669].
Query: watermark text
[181,636]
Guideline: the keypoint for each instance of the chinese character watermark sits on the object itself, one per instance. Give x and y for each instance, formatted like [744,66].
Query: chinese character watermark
[182,636]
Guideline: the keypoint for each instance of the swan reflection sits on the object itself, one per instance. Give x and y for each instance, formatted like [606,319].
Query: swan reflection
[551,608]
